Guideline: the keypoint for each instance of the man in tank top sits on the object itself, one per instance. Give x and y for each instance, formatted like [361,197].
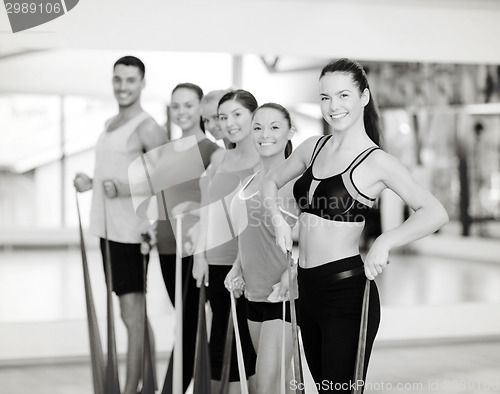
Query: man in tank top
[127,135]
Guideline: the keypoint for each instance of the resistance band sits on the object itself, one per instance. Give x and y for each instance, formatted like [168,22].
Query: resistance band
[96,354]
[297,362]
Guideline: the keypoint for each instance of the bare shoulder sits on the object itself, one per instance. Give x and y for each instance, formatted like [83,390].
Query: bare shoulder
[150,133]
[310,142]
[149,125]
[109,121]
[217,157]
[305,150]
[384,164]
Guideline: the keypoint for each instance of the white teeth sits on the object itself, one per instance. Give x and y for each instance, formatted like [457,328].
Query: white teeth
[338,116]
[233,131]
[266,143]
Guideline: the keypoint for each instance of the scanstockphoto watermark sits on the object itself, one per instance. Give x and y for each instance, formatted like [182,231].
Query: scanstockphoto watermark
[167,177]
[437,385]
[165,184]
[26,14]
[328,385]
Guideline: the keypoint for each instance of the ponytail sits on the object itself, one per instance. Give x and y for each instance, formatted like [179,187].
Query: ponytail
[288,149]
[371,121]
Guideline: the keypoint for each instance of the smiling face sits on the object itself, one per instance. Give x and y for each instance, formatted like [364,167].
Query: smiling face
[342,104]
[235,120]
[271,132]
[185,108]
[211,118]
[127,85]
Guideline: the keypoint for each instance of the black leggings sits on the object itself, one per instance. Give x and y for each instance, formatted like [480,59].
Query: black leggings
[190,309]
[220,301]
[330,315]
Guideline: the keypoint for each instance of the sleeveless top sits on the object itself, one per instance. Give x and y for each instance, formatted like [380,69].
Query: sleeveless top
[112,159]
[334,198]
[262,261]
[222,244]
[185,191]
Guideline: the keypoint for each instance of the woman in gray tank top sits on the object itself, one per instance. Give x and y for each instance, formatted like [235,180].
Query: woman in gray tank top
[261,264]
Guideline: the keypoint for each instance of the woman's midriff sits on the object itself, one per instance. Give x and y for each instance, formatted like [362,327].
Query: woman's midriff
[322,241]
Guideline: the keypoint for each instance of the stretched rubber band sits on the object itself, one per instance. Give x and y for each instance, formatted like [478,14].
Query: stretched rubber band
[297,362]
[283,366]
[226,360]
[112,384]
[149,385]
[96,353]
[202,370]
[360,355]
[177,367]
[239,350]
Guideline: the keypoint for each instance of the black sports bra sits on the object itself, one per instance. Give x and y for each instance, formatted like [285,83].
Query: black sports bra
[334,198]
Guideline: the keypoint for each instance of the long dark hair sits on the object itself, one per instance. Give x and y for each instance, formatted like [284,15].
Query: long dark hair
[199,92]
[370,117]
[286,115]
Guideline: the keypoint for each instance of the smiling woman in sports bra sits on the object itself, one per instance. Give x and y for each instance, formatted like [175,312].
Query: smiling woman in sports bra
[340,177]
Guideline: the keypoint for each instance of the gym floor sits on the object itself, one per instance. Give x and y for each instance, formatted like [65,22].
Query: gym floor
[439,331]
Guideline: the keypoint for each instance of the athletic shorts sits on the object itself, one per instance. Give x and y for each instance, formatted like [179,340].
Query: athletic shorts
[266,311]
[126,266]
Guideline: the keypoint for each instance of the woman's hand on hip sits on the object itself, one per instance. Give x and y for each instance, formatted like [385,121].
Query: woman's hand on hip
[377,259]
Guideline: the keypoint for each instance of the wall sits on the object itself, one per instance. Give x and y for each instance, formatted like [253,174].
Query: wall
[406,30]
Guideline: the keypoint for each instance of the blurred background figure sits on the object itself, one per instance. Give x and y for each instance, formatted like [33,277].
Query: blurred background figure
[209,105]
[185,112]
[113,218]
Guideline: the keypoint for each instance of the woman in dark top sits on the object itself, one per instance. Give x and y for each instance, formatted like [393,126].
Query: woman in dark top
[340,177]
[217,246]
[180,154]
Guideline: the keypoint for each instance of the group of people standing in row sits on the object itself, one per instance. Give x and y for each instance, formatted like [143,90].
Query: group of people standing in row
[237,218]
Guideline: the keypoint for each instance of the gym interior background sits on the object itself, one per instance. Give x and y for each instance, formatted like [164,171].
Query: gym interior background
[434,70]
